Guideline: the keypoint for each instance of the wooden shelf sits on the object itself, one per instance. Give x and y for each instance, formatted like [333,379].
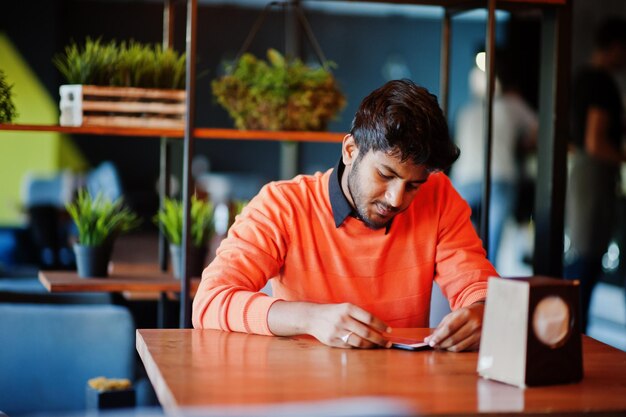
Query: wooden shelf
[150,281]
[468,4]
[284,135]
[199,133]
[93,130]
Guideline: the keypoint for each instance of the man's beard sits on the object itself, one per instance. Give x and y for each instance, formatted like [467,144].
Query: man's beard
[355,194]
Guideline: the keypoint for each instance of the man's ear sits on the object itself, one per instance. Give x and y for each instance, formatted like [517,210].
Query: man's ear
[349,150]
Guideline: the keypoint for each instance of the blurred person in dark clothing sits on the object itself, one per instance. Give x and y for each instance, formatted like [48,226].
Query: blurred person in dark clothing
[597,128]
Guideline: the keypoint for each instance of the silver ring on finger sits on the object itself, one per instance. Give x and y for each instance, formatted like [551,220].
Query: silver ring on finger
[345,339]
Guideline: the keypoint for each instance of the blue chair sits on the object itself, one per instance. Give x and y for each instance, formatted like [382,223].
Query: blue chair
[49,352]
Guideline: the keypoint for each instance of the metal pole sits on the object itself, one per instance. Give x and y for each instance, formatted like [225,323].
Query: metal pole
[552,144]
[168,24]
[490,48]
[444,67]
[164,192]
[185,301]
[164,165]
[289,151]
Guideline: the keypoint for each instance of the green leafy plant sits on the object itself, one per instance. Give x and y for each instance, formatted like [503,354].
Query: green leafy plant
[280,94]
[170,221]
[235,208]
[124,64]
[7,108]
[99,219]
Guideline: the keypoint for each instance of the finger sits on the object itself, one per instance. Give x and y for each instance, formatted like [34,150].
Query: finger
[470,343]
[368,327]
[456,334]
[356,341]
[344,341]
[448,326]
[470,329]
[366,337]
[467,331]
[369,319]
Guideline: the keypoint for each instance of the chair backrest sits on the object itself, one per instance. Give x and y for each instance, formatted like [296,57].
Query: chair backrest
[49,352]
[105,179]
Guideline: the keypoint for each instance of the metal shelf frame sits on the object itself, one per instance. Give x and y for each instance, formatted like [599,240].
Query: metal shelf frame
[553,132]
[553,127]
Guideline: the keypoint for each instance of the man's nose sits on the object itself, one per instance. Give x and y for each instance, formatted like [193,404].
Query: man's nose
[394,196]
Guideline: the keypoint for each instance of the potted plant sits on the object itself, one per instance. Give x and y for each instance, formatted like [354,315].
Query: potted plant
[170,221]
[280,94]
[7,108]
[99,221]
[124,84]
[124,64]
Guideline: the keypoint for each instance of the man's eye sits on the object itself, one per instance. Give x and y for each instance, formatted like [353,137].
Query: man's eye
[387,177]
[412,187]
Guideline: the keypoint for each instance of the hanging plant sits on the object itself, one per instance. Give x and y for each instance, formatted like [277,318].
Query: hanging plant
[7,108]
[278,94]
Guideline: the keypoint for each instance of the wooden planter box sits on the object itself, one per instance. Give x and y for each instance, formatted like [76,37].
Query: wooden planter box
[88,105]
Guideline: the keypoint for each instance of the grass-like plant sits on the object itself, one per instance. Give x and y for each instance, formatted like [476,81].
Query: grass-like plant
[237,207]
[7,108]
[99,219]
[124,64]
[278,94]
[170,221]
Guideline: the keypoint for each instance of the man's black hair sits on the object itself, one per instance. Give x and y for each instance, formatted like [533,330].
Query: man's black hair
[404,119]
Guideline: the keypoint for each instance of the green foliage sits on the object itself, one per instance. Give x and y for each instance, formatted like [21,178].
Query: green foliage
[127,64]
[170,221]
[99,220]
[7,108]
[280,94]
[236,208]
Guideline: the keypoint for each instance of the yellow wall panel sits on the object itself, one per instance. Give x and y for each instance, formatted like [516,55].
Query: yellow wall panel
[41,153]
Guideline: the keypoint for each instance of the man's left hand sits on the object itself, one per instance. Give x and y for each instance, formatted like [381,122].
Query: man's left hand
[459,330]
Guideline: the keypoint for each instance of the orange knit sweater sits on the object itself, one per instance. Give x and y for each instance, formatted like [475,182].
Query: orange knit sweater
[287,232]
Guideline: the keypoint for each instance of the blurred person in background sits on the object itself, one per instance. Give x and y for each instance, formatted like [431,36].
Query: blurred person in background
[514,129]
[596,135]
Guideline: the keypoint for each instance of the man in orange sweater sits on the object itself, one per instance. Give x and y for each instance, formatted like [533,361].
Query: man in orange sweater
[354,251]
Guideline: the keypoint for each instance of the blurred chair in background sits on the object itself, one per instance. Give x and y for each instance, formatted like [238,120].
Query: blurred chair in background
[49,352]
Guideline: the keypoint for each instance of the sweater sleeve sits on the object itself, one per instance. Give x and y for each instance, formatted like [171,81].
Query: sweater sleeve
[462,268]
[228,297]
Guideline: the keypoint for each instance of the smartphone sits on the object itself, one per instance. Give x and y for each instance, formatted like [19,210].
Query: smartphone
[408,344]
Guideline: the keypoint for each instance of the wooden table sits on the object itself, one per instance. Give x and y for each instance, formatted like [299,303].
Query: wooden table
[210,368]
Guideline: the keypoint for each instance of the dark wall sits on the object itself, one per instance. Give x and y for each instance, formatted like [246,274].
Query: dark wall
[368,51]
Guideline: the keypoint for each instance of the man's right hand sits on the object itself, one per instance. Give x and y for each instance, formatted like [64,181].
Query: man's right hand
[339,325]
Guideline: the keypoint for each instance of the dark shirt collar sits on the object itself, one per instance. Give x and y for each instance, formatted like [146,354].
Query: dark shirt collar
[338,201]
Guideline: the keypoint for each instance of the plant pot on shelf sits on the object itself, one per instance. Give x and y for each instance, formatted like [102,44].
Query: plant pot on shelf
[92,261]
[196,260]
[98,221]
[89,105]
[124,84]
[170,221]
